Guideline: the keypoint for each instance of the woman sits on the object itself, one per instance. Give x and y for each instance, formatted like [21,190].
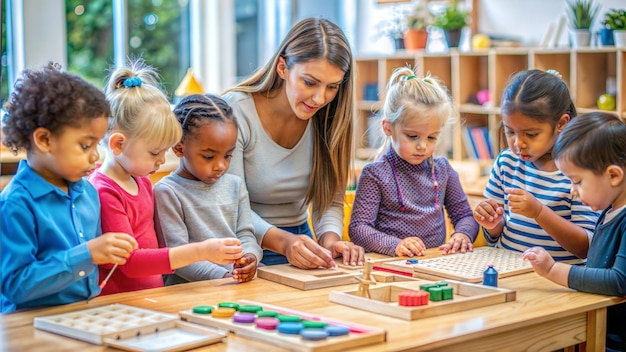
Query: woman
[295,145]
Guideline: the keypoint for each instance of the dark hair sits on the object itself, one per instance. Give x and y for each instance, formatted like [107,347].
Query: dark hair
[539,95]
[192,109]
[593,141]
[51,99]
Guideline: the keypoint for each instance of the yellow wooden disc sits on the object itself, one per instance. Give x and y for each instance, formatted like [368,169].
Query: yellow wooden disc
[223,312]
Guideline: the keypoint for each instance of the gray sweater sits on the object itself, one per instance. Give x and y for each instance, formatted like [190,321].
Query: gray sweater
[188,211]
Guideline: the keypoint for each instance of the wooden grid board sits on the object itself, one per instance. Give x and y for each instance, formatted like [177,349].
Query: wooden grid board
[360,335]
[129,328]
[384,299]
[310,279]
[468,267]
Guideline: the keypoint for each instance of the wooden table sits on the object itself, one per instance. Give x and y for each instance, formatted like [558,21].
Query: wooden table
[544,317]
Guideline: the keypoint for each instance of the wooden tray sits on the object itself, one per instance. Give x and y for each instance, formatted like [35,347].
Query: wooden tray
[468,267]
[360,335]
[129,328]
[385,299]
[310,279]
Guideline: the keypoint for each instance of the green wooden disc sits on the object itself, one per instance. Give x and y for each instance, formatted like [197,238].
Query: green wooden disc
[250,308]
[266,314]
[314,324]
[202,309]
[228,305]
[288,318]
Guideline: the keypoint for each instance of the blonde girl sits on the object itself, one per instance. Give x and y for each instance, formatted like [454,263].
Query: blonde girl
[399,202]
[142,128]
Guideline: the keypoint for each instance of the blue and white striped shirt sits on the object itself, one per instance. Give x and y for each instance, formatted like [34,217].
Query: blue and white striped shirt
[551,188]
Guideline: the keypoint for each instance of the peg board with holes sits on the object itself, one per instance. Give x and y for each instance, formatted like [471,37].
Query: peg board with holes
[467,267]
[129,328]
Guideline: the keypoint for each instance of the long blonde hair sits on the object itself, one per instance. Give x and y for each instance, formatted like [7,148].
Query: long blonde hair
[423,96]
[309,39]
[139,108]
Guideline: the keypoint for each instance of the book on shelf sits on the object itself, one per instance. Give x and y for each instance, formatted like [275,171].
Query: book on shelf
[478,143]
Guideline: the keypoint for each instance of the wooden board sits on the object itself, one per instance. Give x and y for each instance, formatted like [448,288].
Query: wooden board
[360,335]
[309,279]
[129,328]
[468,267]
[384,299]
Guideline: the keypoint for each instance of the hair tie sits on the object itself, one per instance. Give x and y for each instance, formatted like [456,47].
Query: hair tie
[132,82]
[409,77]
[555,73]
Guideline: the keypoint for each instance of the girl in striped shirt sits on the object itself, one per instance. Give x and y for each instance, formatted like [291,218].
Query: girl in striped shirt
[528,199]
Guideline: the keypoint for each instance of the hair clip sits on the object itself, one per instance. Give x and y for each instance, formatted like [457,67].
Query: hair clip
[554,72]
[132,82]
[409,77]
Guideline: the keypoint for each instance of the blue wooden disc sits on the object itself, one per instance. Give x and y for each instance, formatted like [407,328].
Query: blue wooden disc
[291,328]
[335,330]
[313,334]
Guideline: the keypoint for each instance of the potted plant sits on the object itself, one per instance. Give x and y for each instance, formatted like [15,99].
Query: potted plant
[452,21]
[581,14]
[416,35]
[393,28]
[615,21]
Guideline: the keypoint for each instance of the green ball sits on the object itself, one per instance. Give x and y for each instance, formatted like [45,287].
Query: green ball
[606,102]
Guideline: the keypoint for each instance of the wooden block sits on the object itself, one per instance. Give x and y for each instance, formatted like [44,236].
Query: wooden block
[309,279]
[384,299]
[359,335]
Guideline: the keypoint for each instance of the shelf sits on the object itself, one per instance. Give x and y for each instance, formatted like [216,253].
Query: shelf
[585,71]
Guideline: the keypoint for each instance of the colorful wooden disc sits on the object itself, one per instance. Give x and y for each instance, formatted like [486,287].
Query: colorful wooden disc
[336,330]
[202,309]
[234,305]
[244,318]
[223,312]
[266,313]
[310,324]
[288,318]
[290,328]
[313,334]
[266,323]
[250,308]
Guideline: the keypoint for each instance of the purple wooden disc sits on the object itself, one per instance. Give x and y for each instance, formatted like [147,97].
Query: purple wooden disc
[244,318]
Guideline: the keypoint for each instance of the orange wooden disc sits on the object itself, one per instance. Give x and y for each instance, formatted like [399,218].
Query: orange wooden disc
[223,312]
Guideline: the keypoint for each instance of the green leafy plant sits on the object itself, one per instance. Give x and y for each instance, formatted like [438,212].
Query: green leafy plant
[452,18]
[419,19]
[582,13]
[615,19]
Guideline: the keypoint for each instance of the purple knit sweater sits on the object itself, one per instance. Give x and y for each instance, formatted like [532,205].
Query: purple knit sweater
[378,224]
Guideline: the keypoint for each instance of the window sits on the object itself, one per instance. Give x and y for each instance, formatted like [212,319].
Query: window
[157,31]
[4,74]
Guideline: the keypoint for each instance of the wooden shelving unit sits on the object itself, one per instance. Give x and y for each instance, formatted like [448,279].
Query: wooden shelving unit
[585,71]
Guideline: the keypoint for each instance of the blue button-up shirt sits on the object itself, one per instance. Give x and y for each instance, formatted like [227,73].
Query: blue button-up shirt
[43,241]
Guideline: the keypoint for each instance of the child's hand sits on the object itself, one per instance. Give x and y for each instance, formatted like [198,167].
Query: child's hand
[524,203]
[410,246]
[245,268]
[111,248]
[488,213]
[222,250]
[459,242]
[539,258]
